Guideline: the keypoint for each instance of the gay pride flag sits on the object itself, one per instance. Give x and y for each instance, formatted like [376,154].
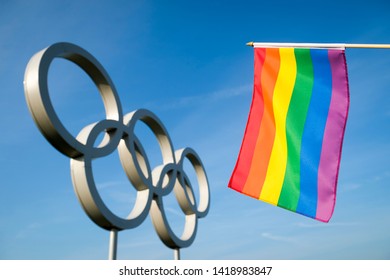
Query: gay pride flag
[290,154]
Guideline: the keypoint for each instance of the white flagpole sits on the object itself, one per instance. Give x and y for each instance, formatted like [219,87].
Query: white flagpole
[319,45]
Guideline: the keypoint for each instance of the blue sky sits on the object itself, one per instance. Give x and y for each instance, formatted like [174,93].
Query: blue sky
[188,63]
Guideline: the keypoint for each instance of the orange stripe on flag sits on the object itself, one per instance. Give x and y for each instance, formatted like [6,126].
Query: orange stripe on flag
[266,136]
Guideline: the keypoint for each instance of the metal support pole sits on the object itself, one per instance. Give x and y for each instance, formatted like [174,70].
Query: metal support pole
[113,244]
[176,253]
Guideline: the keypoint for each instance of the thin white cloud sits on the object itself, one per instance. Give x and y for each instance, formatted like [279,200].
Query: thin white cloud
[137,244]
[380,177]
[207,98]
[111,184]
[28,230]
[174,212]
[231,92]
[318,225]
[377,178]
[274,237]
[346,187]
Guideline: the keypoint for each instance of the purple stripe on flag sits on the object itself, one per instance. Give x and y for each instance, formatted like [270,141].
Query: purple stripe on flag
[333,137]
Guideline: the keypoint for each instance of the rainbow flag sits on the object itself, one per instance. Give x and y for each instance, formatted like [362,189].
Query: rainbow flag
[290,154]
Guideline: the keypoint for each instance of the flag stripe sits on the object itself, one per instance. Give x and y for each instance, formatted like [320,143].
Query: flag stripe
[333,137]
[265,138]
[281,101]
[314,131]
[296,118]
[243,165]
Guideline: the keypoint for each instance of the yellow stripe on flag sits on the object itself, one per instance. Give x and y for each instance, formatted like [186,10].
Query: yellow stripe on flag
[281,101]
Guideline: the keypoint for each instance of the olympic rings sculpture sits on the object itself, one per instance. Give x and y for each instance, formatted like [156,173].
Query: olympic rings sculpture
[118,129]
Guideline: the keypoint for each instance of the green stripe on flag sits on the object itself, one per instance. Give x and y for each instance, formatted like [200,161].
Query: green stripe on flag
[295,123]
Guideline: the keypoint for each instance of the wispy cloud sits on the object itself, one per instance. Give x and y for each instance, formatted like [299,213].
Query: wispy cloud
[319,225]
[28,230]
[111,184]
[347,187]
[137,244]
[212,97]
[274,237]
[380,177]
[231,92]
[375,179]
[174,212]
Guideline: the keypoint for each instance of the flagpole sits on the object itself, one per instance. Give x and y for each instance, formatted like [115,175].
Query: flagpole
[368,46]
[319,45]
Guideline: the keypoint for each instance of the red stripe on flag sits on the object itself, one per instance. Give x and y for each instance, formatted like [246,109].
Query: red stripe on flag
[244,161]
